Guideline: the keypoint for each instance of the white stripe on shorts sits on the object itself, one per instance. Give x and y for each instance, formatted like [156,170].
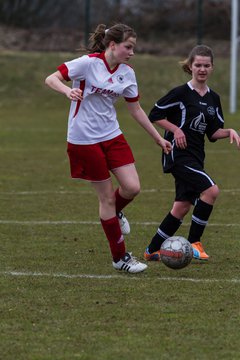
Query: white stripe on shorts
[202,173]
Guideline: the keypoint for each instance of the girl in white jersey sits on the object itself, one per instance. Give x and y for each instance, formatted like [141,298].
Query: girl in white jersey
[96,145]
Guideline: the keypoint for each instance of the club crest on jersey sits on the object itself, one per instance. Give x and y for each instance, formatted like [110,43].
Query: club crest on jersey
[211,110]
[120,79]
[198,124]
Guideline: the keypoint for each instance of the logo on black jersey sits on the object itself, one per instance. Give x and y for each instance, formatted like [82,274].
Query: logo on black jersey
[120,79]
[198,124]
[211,110]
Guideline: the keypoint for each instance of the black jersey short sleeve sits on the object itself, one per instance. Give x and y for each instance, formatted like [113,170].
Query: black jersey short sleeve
[165,106]
[218,119]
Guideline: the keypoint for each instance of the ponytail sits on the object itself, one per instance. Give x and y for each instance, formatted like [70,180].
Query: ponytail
[96,43]
[100,39]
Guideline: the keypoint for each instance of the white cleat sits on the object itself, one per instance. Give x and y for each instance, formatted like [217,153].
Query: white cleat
[124,224]
[129,264]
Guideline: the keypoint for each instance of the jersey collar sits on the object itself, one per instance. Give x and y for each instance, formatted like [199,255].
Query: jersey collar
[102,56]
[192,88]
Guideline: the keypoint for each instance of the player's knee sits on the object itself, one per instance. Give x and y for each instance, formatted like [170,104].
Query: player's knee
[135,190]
[132,190]
[180,209]
[215,192]
[211,194]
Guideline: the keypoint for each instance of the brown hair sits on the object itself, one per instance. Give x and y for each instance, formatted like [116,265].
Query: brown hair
[199,50]
[101,37]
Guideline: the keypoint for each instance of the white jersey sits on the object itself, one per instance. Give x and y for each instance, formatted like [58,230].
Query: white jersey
[94,119]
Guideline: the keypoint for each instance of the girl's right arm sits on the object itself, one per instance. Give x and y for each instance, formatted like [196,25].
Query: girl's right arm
[55,82]
[179,136]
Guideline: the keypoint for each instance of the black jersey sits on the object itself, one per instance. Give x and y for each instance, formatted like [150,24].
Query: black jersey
[196,115]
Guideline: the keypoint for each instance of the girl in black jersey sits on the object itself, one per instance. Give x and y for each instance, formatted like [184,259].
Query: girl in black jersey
[188,113]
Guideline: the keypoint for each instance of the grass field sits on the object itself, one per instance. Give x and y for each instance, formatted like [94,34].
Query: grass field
[60,297]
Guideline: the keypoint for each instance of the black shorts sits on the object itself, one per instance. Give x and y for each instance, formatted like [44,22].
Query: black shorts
[190,181]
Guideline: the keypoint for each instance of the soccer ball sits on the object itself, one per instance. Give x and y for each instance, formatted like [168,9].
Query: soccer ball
[176,252]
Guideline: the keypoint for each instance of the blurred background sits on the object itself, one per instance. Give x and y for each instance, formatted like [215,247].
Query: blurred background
[163,27]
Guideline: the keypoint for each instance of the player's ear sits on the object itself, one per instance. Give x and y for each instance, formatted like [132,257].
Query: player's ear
[112,45]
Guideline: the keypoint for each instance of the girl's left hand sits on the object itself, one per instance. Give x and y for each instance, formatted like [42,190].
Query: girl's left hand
[165,145]
[233,136]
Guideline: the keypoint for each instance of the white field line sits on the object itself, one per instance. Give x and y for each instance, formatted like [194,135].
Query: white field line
[18,149]
[110,277]
[65,192]
[73,222]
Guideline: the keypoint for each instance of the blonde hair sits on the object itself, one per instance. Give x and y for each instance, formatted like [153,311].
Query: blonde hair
[199,50]
[100,39]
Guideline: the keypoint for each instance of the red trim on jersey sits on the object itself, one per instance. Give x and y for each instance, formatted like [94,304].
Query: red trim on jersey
[64,71]
[102,56]
[81,87]
[94,55]
[132,99]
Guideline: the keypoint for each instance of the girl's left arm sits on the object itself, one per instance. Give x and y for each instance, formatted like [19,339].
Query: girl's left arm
[225,133]
[140,116]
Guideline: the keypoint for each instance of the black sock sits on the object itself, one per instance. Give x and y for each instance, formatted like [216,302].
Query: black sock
[200,216]
[167,228]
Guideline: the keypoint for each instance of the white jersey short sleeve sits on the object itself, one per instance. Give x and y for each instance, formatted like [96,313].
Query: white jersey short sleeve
[94,119]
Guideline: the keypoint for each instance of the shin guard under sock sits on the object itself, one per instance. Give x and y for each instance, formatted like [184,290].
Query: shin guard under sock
[200,216]
[115,238]
[120,201]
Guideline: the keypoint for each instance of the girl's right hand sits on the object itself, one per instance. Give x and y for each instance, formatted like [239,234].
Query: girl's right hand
[75,94]
[180,139]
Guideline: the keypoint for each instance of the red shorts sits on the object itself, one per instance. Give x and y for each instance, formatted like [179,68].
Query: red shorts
[93,162]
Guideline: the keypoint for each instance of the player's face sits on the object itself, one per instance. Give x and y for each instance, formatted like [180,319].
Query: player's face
[201,68]
[125,50]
